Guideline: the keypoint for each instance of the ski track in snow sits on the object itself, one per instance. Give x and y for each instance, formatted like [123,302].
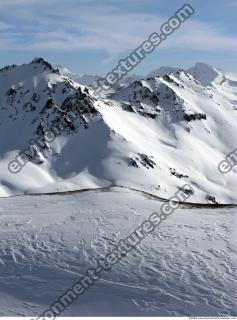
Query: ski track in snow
[186,267]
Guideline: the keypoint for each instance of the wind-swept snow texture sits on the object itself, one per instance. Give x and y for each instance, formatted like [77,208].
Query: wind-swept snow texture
[186,267]
[154,134]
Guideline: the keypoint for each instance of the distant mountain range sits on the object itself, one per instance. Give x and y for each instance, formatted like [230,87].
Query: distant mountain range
[152,133]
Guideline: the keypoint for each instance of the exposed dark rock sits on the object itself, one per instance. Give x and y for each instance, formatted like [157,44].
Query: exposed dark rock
[149,115]
[86,90]
[11,92]
[35,97]
[128,107]
[8,68]
[49,103]
[133,163]
[194,116]
[176,174]
[147,161]
[211,199]
[187,191]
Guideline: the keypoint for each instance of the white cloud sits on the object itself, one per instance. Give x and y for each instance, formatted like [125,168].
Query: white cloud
[77,25]
[4,26]
[202,36]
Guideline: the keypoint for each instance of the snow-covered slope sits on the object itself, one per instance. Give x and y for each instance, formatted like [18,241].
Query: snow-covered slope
[184,128]
[185,267]
[155,134]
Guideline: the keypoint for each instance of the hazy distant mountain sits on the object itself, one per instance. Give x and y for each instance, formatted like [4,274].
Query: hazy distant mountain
[83,79]
[160,72]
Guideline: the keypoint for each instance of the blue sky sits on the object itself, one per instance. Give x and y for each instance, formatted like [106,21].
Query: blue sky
[90,36]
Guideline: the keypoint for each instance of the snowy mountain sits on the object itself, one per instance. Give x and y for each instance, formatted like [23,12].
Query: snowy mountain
[206,74]
[154,134]
[82,79]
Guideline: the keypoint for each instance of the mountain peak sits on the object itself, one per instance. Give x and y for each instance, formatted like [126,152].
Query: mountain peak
[205,73]
[42,61]
[47,66]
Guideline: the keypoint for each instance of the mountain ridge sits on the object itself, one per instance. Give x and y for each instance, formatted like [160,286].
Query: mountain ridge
[147,134]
